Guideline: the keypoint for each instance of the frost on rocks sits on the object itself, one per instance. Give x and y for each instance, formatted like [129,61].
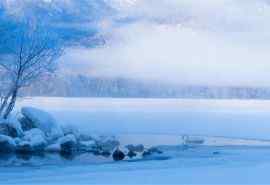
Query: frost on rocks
[33,141]
[107,144]
[7,144]
[36,138]
[29,135]
[68,144]
[10,127]
[44,121]
[71,129]
[87,146]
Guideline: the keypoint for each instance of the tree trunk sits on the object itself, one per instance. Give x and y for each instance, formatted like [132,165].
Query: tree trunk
[11,104]
[5,102]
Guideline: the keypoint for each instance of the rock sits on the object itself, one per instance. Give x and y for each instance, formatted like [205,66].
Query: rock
[53,148]
[85,137]
[33,141]
[24,147]
[135,148]
[151,151]
[131,154]
[68,144]
[28,135]
[107,144]
[44,121]
[17,140]
[7,130]
[87,146]
[26,124]
[70,129]
[7,144]
[118,155]
[36,139]
[10,127]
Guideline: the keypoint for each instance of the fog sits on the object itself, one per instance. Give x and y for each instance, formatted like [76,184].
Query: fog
[187,42]
[193,42]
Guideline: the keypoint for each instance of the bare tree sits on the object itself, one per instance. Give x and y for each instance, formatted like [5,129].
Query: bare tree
[29,54]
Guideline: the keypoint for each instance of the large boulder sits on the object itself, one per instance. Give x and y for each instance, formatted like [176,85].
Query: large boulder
[10,127]
[118,155]
[24,147]
[36,138]
[107,144]
[71,129]
[68,144]
[33,141]
[26,124]
[44,121]
[7,144]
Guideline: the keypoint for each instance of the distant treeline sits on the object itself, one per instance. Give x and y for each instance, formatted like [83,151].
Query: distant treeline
[83,86]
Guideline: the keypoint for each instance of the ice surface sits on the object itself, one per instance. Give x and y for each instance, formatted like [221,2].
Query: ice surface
[217,162]
[241,165]
[230,118]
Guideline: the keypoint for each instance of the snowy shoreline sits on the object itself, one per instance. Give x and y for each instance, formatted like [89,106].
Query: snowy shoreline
[246,119]
[160,123]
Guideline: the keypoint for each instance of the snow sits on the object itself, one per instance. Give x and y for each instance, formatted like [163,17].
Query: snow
[14,123]
[28,135]
[43,121]
[234,158]
[109,116]
[67,138]
[7,143]
[36,138]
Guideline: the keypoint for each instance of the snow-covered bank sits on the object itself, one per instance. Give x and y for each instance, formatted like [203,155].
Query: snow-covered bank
[230,118]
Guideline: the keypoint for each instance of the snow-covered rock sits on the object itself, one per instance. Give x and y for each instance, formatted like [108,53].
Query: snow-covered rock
[88,146]
[44,121]
[36,138]
[7,144]
[17,140]
[131,154]
[107,144]
[30,134]
[68,144]
[24,147]
[71,129]
[10,127]
[33,140]
[152,151]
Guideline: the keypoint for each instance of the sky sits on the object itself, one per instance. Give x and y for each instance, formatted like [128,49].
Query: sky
[190,42]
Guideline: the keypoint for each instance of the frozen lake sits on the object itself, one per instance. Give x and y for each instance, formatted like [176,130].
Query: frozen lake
[230,118]
[232,165]
[156,122]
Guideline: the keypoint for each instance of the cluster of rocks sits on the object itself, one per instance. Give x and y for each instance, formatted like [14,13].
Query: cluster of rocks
[37,132]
